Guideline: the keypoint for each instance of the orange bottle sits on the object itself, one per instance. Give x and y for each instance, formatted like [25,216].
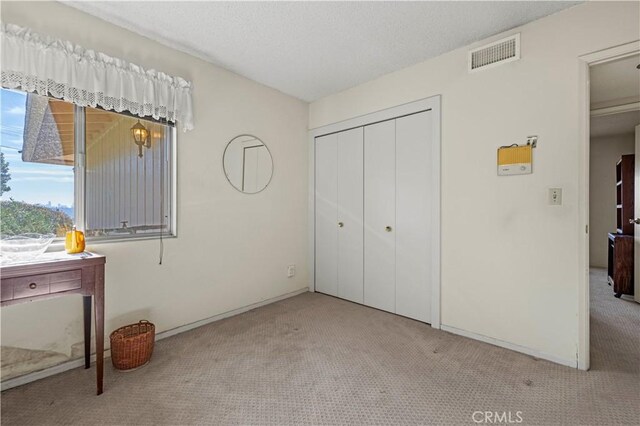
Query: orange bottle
[74,241]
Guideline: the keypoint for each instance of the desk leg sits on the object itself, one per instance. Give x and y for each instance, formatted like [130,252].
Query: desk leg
[99,309]
[87,330]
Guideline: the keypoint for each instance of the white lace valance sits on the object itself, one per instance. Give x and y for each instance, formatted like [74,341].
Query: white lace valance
[43,65]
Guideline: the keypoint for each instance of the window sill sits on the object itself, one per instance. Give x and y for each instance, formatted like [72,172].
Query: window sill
[115,239]
[58,245]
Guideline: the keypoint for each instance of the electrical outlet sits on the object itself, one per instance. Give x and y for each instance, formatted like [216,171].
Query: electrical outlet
[291,270]
[555,196]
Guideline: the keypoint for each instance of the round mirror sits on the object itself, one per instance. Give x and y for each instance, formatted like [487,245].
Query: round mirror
[248,164]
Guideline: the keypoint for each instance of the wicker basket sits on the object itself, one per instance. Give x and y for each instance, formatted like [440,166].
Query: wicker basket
[132,345]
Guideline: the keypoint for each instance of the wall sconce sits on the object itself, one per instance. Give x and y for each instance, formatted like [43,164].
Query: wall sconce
[140,137]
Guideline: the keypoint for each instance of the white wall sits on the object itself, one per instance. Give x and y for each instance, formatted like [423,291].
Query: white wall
[232,249]
[509,261]
[605,153]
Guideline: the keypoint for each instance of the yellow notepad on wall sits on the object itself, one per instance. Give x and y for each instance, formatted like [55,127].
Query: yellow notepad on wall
[515,160]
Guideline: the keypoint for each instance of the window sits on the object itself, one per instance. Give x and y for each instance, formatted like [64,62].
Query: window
[64,165]
[126,184]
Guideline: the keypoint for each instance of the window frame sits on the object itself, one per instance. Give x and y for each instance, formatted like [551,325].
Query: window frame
[80,180]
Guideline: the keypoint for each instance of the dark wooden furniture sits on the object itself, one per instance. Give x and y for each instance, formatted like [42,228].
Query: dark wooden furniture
[620,268]
[54,275]
[625,175]
[620,244]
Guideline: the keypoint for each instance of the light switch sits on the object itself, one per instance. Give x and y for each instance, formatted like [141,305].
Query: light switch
[555,196]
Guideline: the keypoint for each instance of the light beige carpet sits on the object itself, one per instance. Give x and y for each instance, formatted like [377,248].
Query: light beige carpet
[314,359]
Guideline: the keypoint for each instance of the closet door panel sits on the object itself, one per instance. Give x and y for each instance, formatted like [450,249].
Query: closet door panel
[350,214]
[379,213]
[326,215]
[414,140]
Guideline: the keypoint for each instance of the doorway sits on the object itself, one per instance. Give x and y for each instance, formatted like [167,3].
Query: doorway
[611,204]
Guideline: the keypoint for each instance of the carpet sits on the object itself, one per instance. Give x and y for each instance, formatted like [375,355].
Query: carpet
[315,359]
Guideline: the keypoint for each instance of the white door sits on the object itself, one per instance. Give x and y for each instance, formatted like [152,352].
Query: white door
[350,215]
[413,236]
[379,215]
[636,204]
[326,268]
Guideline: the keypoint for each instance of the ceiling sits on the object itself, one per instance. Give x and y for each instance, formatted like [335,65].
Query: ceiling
[312,49]
[615,82]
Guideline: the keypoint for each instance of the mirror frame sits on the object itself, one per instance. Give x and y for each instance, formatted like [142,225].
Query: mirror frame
[224,170]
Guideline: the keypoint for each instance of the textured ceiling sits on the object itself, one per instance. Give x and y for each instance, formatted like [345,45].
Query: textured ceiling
[313,49]
[615,81]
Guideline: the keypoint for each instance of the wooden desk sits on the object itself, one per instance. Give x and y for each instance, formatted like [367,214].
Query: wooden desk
[59,274]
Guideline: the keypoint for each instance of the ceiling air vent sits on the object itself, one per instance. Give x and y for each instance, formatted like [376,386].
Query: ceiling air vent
[496,53]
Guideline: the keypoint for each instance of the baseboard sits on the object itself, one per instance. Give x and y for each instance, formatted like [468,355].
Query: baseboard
[41,374]
[511,346]
[187,327]
[77,363]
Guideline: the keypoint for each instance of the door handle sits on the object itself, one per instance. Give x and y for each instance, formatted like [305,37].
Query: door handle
[388,228]
[636,221]
[340,224]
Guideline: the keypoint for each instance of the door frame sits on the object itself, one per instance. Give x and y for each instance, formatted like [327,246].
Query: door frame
[433,104]
[585,62]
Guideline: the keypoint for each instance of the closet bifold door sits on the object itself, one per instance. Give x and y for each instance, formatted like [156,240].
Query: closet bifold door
[350,215]
[379,215]
[414,180]
[326,215]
